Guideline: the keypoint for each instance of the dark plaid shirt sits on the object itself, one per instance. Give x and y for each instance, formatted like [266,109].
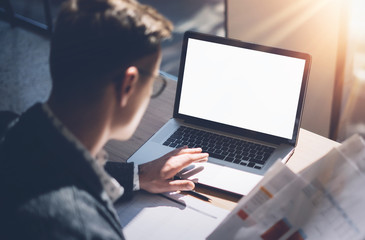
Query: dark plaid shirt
[50,190]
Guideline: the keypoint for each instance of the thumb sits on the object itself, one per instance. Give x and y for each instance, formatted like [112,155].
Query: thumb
[181,185]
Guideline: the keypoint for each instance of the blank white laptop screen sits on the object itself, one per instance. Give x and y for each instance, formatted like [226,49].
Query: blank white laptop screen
[240,87]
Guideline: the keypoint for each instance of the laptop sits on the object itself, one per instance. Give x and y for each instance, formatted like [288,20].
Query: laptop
[240,102]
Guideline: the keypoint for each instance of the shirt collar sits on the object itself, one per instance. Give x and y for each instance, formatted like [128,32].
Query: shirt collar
[110,185]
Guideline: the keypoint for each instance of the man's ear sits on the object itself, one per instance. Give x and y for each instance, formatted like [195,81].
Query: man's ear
[128,85]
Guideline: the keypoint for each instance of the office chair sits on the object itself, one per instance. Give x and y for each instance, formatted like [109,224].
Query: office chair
[15,18]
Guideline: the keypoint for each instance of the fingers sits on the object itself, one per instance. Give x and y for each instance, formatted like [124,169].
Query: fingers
[183,150]
[175,152]
[156,176]
[187,155]
[195,153]
[181,158]
[162,186]
[188,158]
[180,185]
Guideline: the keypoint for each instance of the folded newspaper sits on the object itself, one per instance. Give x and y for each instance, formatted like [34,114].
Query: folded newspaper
[324,201]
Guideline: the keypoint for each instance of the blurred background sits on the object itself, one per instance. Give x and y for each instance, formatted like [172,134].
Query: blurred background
[332,31]
[352,119]
[24,41]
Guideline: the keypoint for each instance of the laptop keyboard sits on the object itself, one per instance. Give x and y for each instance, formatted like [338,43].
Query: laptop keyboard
[221,147]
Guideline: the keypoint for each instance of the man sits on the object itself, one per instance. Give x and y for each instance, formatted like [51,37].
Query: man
[105,57]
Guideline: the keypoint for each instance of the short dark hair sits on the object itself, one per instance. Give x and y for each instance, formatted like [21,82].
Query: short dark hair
[94,37]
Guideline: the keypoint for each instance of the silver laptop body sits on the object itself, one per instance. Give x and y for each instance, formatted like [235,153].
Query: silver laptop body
[248,92]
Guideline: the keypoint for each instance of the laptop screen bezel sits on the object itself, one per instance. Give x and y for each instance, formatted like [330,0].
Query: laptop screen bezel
[236,130]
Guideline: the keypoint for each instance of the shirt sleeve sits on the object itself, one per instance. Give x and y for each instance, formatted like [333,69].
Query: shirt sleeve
[136,186]
[124,174]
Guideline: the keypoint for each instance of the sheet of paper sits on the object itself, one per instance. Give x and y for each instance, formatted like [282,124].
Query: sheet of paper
[151,216]
[240,218]
[274,180]
[325,201]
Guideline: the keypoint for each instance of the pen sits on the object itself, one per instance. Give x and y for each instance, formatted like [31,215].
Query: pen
[194,193]
[197,195]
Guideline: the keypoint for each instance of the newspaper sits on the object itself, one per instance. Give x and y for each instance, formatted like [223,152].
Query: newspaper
[324,201]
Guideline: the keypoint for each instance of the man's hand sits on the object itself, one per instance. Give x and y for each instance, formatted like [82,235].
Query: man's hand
[157,176]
